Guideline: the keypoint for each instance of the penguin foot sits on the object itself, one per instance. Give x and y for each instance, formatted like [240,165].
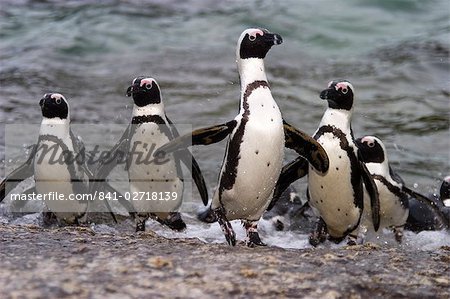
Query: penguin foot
[352,240]
[319,235]
[207,216]
[253,239]
[226,227]
[398,234]
[140,223]
[174,221]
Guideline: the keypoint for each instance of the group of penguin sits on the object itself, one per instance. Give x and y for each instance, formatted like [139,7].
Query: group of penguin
[351,187]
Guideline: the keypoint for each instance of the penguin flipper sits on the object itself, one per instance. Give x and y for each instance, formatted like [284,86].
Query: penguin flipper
[186,157]
[307,147]
[432,204]
[117,153]
[291,172]
[372,190]
[204,136]
[21,173]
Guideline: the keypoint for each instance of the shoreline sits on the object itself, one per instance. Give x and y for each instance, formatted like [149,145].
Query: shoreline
[76,262]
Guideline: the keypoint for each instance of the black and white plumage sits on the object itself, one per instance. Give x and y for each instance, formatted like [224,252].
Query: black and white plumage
[150,128]
[57,162]
[255,149]
[433,214]
[394,203]
[338,195]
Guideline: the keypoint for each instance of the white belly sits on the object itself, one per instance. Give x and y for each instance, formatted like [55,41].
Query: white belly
[51,175]
[154,186]
[332,194]
[392,213]
[259,166]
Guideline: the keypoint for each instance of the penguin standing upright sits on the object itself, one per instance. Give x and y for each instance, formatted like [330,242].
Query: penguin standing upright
[57,162]
[338,195]
[156,189]
[394,204]
[255,149]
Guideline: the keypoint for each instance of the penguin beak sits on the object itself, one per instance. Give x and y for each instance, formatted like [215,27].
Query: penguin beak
[328,94]
[358,142]
[273,39]
[130,90]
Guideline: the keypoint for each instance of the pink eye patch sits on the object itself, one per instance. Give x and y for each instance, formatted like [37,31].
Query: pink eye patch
[146,81]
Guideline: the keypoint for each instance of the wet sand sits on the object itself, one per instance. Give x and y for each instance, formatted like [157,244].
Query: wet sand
[79,263]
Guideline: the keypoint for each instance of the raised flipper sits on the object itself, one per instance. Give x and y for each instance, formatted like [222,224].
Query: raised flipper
[23,172]
[203,136]
[186,157]
[108,163]
[307,147]
[289,174]
[432,204]
[372,190]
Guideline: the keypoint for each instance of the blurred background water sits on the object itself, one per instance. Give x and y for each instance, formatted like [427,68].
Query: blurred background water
[395,52]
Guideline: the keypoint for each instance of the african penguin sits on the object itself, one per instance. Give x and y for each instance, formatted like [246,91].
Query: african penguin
[149,129]
[394,204]
[338,195]
[57,163]
[255,149]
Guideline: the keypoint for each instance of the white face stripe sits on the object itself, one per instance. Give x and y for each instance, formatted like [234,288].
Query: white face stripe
[373,140]
[57,96]
[255,32]
[251,32]
[368,139]
[147,81]
[343,86]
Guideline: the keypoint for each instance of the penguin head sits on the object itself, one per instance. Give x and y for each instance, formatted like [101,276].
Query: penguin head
[255,43]
[371,149]
[145,91]
[54,105]
[445,191]
[339,94]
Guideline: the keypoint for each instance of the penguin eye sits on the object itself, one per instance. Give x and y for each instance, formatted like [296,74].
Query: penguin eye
[148,86]
[252,37]
[58,101]
[371,144]
[344,90]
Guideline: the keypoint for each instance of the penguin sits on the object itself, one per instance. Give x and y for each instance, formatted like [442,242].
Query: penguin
[57,162]
[338,195]
[431,215]
[256,140]
[394,202]
[150,128]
